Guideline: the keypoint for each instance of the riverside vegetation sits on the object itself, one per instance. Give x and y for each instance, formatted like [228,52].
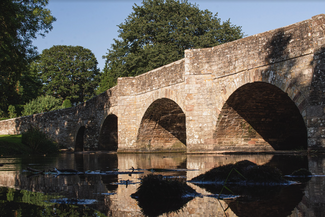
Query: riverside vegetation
[31,142]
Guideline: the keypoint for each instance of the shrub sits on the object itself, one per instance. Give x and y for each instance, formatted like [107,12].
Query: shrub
[2,114]
[39,141]
[66,104]
[42,104]
[12,111]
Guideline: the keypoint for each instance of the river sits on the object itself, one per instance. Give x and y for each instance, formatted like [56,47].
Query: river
[108,180]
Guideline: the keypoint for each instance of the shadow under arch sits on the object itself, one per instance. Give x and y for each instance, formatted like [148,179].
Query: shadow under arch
[163,127]
[259,116]
[108,136]
[79,146]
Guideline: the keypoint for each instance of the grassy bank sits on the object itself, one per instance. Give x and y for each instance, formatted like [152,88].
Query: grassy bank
[11,145]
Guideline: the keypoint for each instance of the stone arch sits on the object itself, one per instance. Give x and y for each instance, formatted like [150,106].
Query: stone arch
[79,145]
[293,86]
[163,127]
[160,94]
[259,116]
[108,136]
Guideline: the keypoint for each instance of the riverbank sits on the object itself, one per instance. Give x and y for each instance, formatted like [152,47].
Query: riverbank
[11,145]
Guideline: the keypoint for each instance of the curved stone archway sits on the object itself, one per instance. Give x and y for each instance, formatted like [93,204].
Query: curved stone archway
[163,127]
[79,145]
[108,137]
[259,116]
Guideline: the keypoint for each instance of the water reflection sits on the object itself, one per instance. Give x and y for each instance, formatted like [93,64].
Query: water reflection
[112,192]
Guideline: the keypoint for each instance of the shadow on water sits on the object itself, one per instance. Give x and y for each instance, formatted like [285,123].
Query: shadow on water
[258,200]
[261,200]
[279,202]
[157,195]
[288,163]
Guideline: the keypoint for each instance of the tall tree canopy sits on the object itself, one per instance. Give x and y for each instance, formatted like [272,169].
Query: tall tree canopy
[69,72]
[21,21]
[157,33]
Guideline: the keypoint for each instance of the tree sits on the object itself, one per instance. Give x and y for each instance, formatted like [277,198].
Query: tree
[30,85]
[107,79]
[42,104]
[69,72]
[158,32]
[12,111]
[21,21]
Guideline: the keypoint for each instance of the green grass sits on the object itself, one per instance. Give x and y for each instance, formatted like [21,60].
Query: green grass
[11,145]
[11,138]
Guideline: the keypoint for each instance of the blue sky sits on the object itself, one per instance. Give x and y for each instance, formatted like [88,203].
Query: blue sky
[93,24]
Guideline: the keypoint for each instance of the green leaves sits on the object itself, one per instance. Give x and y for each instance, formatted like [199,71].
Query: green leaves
[20,23]
[69,72]
[39,141]
[41,104]
[12,111]
[66,104]
[157,33]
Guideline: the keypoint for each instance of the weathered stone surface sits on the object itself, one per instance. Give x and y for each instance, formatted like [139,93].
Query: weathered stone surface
[261,93]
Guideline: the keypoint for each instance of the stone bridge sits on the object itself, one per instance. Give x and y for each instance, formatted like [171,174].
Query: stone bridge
[265,92]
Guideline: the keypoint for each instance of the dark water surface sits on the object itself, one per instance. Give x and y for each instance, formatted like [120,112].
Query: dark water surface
[106,183]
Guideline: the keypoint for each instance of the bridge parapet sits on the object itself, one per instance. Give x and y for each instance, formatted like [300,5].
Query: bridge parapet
[258,50]
[164,76]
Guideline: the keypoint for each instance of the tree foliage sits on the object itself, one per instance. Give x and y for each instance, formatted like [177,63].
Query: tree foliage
[20,22]
[107,78]
[158,32]
[42,104]
[69,72]
[39,141]
[12,111]
[30,85]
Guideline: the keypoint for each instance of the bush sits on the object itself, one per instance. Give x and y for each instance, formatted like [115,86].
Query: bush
[12,111]
[42,104]
[66,104]
[39,141]
[2,114]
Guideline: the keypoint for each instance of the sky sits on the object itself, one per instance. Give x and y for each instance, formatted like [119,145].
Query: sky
[93,24]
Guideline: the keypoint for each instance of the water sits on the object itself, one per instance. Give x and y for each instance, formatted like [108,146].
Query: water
[101,191]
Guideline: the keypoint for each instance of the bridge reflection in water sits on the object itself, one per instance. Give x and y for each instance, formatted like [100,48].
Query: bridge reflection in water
[113,191]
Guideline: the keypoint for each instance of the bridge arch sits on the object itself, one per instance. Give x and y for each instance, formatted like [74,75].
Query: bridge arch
[108,136]
[260,116]
[160,94]
[162,127]
[79,140]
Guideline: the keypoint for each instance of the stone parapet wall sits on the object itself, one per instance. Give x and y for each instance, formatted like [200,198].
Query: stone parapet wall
[62,125]
[164,76]
[258,50]
[54,123]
